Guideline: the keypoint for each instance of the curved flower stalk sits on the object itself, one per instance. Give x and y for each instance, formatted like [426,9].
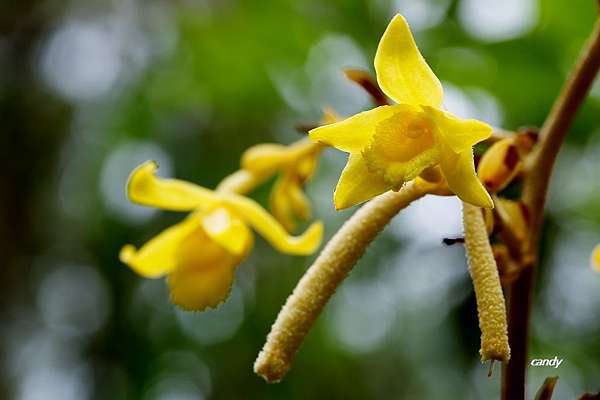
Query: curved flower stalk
[199,254]
[488,291]
[391,145]
[324,276]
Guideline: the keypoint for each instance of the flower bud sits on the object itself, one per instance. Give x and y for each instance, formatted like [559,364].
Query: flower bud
[499,165]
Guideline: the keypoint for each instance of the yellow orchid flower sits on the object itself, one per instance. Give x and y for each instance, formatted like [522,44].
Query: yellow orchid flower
[391,145]
[199,254]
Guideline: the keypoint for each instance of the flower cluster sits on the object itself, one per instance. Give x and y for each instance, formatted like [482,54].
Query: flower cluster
[397,154]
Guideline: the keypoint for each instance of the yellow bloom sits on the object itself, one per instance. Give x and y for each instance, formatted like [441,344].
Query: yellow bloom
[391,145]
[199,254]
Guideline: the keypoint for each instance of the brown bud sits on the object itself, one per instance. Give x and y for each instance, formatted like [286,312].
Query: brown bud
[499,164]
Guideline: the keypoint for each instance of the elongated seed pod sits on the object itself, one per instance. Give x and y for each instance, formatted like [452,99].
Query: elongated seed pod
[491,306]
[322,279]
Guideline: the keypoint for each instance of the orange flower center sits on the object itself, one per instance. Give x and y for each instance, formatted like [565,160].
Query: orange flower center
[402,146]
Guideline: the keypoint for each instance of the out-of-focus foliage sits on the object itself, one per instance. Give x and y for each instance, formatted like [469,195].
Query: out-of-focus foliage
[88,90]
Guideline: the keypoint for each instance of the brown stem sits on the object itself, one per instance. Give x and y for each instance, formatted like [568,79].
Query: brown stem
[554,130]
[535,186]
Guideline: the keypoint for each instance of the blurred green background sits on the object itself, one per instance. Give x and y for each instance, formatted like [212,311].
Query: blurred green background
[89,89]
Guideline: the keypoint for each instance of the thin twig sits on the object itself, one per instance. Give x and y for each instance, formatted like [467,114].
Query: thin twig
[535,186]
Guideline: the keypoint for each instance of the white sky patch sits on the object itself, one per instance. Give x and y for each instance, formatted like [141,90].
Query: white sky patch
[361,316]
[572,295]
[329,86]
[429,220]
[182,376]
[366,313]
[493,20]
[174,387]
[73,301]
[421,14]
[423,279]
[472,103]
[81,60]
[44,366]
[214,325]
[52,383]
[321,81]
[575,180]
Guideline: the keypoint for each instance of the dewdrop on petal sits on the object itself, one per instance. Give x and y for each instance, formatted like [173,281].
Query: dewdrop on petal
[491,307]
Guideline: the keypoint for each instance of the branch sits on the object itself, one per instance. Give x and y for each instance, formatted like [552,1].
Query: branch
[538,167]
[553,132]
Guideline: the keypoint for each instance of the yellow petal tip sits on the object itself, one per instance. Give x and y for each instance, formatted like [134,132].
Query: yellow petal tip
[402,72]
[139,178]
[127,253]
[595,259]
[488,202]
[310,240]
[340,203]
[198,290]
[192,304]
[480,201]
